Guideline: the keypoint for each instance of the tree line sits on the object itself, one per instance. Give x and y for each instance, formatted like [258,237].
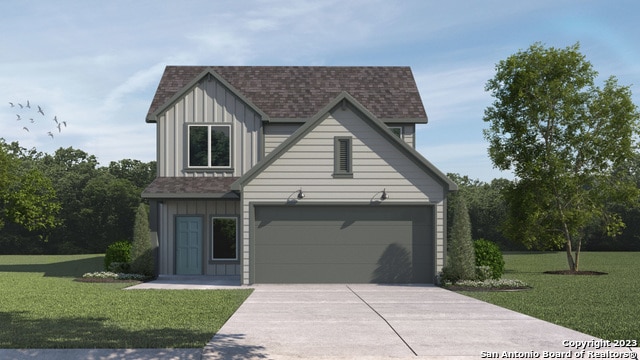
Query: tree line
[488,212]
[66,203]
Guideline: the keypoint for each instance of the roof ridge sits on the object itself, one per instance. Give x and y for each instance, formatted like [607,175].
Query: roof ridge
[298,92]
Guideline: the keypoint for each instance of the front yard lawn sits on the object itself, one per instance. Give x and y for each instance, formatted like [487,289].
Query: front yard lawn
[41,306]
[605,306]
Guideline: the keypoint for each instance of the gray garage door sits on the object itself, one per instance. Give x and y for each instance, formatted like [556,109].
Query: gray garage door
[343,244]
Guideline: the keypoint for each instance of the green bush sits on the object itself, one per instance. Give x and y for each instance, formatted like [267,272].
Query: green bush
[142,259]
[489,254]
[483,273]
[117,252]
[119,267]
[460,254]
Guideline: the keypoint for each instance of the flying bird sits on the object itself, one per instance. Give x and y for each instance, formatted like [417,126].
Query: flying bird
[10,103]
[28,106]
[31,119]
[50,134]
[40,110]
[21,107]
[19,118]
[65,123]
[59,125]
[55,118]
[25,128]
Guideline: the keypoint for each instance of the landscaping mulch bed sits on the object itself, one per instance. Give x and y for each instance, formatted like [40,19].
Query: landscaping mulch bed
[101,280]
[475,288]
[579,272]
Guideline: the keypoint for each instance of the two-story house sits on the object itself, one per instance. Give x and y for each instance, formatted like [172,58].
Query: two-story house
[271,174]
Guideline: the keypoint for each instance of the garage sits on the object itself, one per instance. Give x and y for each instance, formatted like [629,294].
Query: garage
[343,244]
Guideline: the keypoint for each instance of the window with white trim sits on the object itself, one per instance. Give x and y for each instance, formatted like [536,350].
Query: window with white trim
[224,238]
[209,146]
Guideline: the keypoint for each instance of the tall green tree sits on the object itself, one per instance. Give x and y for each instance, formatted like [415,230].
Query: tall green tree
[461,261]
[27,198]
[564,138]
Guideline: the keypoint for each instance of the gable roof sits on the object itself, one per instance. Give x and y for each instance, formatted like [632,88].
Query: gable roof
[368,117]
[297,93]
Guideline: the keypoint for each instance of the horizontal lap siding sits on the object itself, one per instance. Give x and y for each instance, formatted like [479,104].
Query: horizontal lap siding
[276,134]
[377,165]
[208,102]
[206,209]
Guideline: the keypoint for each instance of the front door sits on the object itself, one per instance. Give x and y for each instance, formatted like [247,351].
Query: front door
[188,245]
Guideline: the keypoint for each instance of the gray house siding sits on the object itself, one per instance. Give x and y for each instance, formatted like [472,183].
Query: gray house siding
[275,134]
[208,102]
[377,165]
[168,210]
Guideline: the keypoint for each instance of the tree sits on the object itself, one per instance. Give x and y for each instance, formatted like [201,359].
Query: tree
[137,172]
[487,208]
[564,138]
[26,196]
[461,262]
[142,260]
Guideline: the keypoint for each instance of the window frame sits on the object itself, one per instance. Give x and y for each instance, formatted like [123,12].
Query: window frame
[212,238]
[401,132]
[209,127]
[338,172]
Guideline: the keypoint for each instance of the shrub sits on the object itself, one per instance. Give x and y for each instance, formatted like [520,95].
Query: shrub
[119,267]
[483,273]
[142,260]
[489,254]
[460,254]
[117,252]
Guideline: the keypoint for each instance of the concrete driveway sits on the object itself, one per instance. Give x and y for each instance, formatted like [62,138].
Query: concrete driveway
[376,322]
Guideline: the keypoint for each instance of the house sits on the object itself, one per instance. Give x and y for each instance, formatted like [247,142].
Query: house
[294,175]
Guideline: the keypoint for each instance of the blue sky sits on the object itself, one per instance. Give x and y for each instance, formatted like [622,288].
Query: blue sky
[96,64]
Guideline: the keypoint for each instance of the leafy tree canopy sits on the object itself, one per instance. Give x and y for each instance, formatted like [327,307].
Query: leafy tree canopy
[565,139]
[26,195]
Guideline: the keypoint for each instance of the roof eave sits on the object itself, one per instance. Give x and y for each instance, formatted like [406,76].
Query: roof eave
[213,195]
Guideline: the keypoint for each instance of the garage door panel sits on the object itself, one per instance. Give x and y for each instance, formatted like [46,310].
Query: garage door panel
[343,244]
[322,254]
[349,273]
[315,234]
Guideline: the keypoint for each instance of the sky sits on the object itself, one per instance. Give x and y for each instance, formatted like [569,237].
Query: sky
[96,64]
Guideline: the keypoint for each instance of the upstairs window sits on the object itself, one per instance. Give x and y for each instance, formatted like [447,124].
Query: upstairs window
[396,130]
[343,157]
[209,146]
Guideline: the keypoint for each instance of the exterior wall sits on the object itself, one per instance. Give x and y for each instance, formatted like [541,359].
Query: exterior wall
[276,134]
[409,135]
[167,212]
[377,165]
[207,102]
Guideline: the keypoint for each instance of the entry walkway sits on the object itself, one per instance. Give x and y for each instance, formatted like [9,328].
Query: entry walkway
[380,322]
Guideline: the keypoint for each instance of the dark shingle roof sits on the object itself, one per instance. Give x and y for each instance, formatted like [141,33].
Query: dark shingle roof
[299,92]
[190,187]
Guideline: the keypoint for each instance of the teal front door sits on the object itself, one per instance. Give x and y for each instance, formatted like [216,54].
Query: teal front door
[188,245]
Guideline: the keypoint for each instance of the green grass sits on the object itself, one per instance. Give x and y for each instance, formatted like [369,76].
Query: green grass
[605,306]
[41,306]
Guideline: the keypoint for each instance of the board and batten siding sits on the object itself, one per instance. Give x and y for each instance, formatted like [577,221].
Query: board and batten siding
[377,165]
[207,102]
[206,209]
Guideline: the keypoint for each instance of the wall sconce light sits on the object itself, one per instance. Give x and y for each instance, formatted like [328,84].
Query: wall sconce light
[384,195]
[300,194]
